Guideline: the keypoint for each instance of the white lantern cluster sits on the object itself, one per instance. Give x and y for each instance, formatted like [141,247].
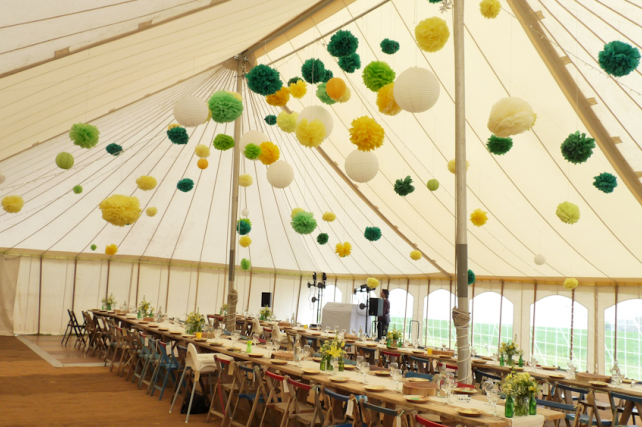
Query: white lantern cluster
[317,112]
[190,111]
[416,90]
[253,137]
[245,212]
[280,174]
[361,166]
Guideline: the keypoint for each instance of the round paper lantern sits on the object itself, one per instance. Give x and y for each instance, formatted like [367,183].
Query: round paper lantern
[317,112]
[64,160]
[432,184]
[416,90]
[335,88]
[190,111]
[539,259]
[245,212]
[255,137]
[202,163]
[280,174]
[362,166]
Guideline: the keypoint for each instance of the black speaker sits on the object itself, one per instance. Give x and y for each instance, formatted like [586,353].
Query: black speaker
[266,299]
[376,307]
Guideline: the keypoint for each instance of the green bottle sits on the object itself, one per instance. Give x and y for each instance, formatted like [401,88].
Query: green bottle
[248,349]
[509,409]
[501,360]
[323,364]
[139,314]
[532,406]
[521,361]
[341,364]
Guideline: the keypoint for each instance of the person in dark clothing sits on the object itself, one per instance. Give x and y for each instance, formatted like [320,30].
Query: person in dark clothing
[384,321]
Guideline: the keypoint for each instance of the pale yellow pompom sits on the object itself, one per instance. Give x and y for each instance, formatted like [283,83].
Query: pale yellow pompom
[287,122]
[511,116]
[120,210]
[151,211]
[372,283]
[296,211]
[478,217]
[310,134]
[202,151]
[269,153]
[432,34]
[571,284]
[346,96]
[386,100]
[568,212]
[490,8]
[366,134]
[245,180]
[245,241]
[12,204]
[329,216]
[415,255]
[235,94]
[146,183]
[280,98]
[173,125]
[343,249]
[298,89]
[111,249]
[451,165]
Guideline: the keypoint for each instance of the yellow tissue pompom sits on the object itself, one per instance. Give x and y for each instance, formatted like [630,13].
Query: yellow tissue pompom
[269,153]
[111,249]
[571,284]
[490,8]
[202,151]
[235,94]
[209,116]
[173,125]
[343,249]
[245,241]
[310,134]
[372,283]
[146,183]
[386,100]
[296,211]
[346,96]
[120,210]
[287,122]
[12,204]
[245,180]
[451,165]
[329,216]
[366,134]
[511,116]
[432,34]
[568,212]
[280,98]
[478,217]
[416,255]
[151,211]
[298,89]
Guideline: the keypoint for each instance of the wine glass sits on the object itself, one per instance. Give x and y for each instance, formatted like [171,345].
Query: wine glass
[493,398]
[327,330]
[359,361]
[268,346]
[335,365]
[397,375]
[495,357]
[488,387]
[306,351]
[571,369]
[365,368]
[235,338]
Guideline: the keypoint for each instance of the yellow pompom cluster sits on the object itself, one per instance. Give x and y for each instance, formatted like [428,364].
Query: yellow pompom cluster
[386,100]
[478,217]
[202,151]
[245,241]
[151,211]
[269,153]
[432,34]
[329,216]
[245,180]
[310,134]
[235,95]
[416,255]
[298,89]
[146,183]
[571,284]
[287,122]
[372,283]
[12,204]
[173,125]
[451,165]
[296,211]
[490,8]
[120,210]
[111,249]
[366,134]
[280,98]
[343,249]
[346,96]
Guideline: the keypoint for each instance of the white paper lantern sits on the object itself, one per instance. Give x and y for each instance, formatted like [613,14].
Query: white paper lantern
[280,174]
[190,111]
[253,137]
[539,259]
[317,112]
[245,213]
[362,166]
[2,177]
[416,90]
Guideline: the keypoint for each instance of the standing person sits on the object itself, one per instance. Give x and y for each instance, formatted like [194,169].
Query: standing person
[384,321]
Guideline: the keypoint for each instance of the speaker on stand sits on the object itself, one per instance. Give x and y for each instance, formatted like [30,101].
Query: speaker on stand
[266,299]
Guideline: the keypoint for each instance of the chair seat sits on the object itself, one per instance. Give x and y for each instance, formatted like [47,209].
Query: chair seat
[305,416]
[251,397]
[584,419]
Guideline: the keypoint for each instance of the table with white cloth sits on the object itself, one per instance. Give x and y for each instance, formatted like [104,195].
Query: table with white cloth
[345,316]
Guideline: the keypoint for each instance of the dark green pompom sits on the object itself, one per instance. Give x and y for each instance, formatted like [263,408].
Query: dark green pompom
[350,63]
[114,149]
[185,185]
[619,58]
[223,142]
[322,238]
[243,227]
[270,120]
[605,182]
[94,247]
[245,264]
[471,277]
[178,135]
[294,80]
[373,233]
[264,80]
[577,148]
[313,71]
[389,46]
[328,75]
[498,145]
[252,151]
[403,187]
[435,1]
[77,189]
[342,43]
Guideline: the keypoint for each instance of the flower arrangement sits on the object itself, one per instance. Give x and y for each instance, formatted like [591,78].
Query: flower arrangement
[509,349]
[265,313]
[109,301]
[145,308]
[194,323]
[224,309]
[333,348]
[394,337]
[520,384]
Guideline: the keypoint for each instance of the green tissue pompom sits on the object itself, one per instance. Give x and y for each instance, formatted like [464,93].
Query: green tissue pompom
[243,227]
[313,71]
[304,222]
[270,119]
[434,1]
[322,238]
[389,46]
[245,264]
[84,135]
[185,185]
[77,189]
[225,107]
[619,58]
[178,135]
[94,247]
[372,233]
[471,277]
[252,151]
[328,75]
[605,182]
[323,95]
[498,145]
[263,80]
[294,80]
[223,142]
[403,187]
[568,213]
[577,148]
[246,220]
[342,43]
[114,149]
[350,63]
[377,74]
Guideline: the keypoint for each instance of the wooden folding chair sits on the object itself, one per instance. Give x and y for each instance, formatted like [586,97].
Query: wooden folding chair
[276,401]
[629,406]
[296,410]
[252,389]
[421,365]
[388,357]
[368,354]
[339,409]
[371,415]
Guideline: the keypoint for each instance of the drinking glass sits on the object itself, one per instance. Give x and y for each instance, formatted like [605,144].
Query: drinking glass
[488,387]
[495,357]
[235,338]
[359,360]
[493,397]
[335,365]
[336,329]
[397,375]
[365,368]
[571,369]
[268,346]
[255,339]
[327,330]
[306,351]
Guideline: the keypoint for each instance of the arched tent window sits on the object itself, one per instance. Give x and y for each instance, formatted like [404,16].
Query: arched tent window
[331,294]
[486,322]
[553,327]
[401,304]
[438,319]
[629,337]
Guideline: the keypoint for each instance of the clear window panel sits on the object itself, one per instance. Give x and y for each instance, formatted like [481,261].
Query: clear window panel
[437,317]
[486,317]
[629,337]
[401,304]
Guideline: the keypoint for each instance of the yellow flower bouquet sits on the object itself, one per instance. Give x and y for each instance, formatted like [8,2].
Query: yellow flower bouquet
[145,308]
[194,323]
[265,313]
[508,350]
[108,302]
